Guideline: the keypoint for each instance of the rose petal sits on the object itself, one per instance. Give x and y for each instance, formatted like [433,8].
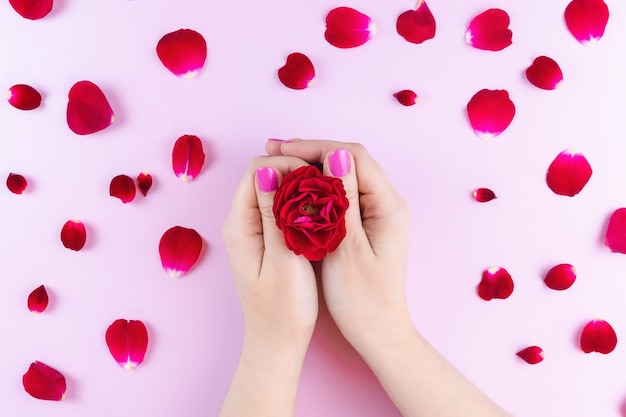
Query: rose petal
[88,110]
[298,72]
[490,112]
[44,383]
[24,97]
[598,336]
[348,28]
[587,19]
[406,97]
[127,341]
[615,238]
[490,30]
[183,52]
[496,283]
[568,173]
[417,26]
[545,73]
[482,195]
[38,300]
[144,182]
[16,183]
[187,157]
[32,9]
[73,235]
[122,187]
[560,277]
[179,249]
[532,354]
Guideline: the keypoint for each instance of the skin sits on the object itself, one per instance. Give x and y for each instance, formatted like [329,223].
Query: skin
[363,284]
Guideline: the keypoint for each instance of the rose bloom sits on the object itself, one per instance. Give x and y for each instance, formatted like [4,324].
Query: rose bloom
[310,210]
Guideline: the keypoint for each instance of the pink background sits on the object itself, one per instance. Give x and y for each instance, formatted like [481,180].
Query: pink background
[429,151]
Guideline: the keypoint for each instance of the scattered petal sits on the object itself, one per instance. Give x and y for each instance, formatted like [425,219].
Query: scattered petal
[44,383]
[24,97]
[32,9]
[38,300]
[568,173]
[144,182]
[122,187]
[490,31]
[496,283]
[16,183]
[490,112]
[183,52]
[187,157]
[73,235]
[587,19]
[298,72]
[532,354]
[127,341]
[598,336]
[179,249]
[560,277]
[88,110]
[417,26]
[545,73]
[483,195]
[616,231]
[406,97]
[348,28]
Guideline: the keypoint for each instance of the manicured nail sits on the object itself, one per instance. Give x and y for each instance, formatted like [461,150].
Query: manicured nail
[339,161]
[276,140]
[267,180]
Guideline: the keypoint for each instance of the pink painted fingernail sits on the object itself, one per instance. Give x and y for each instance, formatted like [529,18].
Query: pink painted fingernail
[339,162]
[267,180]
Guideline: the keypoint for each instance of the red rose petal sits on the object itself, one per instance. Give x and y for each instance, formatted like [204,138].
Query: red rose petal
[127,341]
[16,183]
[545,73]
[24,97]
[73,235]
[483,195]
[44,383]
[417,26]
[532,354]
[88,110]
[144,182]
[616,231]
[496,283]
[183,52]
[298,72]
[32,9]
[490,30]
[406,97]
[122,187]
[179,249]
[568,173]
[560,277]
[587,19]
[598,336]
[348,28]
[490,112]
[38,300]
[187,157]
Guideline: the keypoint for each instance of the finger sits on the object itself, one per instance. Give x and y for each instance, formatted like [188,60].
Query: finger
[272,146]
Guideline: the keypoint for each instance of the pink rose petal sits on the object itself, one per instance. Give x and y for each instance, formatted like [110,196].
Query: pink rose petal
[568,173]
[532,354]
[44,383]
[406,97]
[496,283]
[598,336]
[616,231]
[127,341]
[88,110]
[38,300]
[417,26]
[490,112]
[16,183]
[24,97]
[490,30]
[32,9]
[483,195]
[179,249]
[144,182]
[587,19]
[187,157]
[183,52]
[560,277]
[545,73]
[73,235]
[122,187]
[348,28]
[298,72]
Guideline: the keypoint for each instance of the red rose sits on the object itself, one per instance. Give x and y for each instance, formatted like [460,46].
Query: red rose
[310,210]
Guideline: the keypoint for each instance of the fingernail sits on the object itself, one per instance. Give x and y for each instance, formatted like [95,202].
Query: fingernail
[276,140]
[267,180]
[339,162]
